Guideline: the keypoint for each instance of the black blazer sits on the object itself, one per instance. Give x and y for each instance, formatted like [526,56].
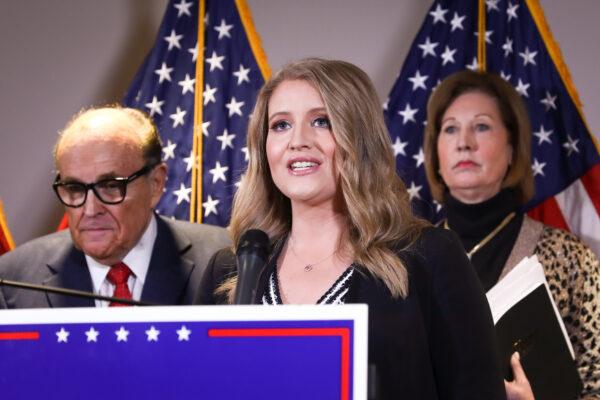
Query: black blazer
[437,343]
[180,254]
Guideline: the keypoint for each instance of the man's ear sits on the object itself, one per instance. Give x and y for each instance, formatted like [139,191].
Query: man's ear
[158,177]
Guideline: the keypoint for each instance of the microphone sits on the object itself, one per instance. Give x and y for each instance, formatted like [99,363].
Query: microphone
[70,292]
[251,253]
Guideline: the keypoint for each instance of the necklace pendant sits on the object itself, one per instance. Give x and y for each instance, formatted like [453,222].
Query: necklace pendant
[308,267]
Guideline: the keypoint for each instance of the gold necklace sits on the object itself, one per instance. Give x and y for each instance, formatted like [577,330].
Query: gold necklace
[490,235]
[308,266]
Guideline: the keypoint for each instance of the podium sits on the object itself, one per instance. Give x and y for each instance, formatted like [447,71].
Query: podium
[185,352]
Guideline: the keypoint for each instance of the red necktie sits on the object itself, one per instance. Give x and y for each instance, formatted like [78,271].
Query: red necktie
[118,276]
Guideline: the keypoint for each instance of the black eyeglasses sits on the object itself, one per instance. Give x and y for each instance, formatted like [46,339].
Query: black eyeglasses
[109,191]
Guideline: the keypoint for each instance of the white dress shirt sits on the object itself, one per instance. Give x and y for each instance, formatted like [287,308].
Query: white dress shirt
[138,261]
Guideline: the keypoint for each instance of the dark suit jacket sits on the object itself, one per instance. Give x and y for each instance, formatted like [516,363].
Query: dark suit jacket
[180,254]
[437,343]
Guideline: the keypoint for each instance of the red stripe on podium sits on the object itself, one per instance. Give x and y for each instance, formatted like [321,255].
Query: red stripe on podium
[19,335]
[343,333]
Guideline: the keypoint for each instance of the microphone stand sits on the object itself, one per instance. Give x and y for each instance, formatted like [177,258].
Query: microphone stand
[71,292]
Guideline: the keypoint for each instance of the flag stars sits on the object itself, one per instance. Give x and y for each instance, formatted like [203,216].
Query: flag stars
[164,73]
[183,8]
[169,150]
[457,22]
[239,182]
[215,61]
[474,65]
[511,11]
[187,85]
[543,135]
[183,334]
[438,14]
[522,88]
[223,30]
[210,206]
[242,74]
[448,55]
[418,81]
[194,52]
[571,145]
[178,117]
[505,76]
[413,191]
[549,101]
[492,5]
[246,154]
[218,172]
[182,194]
[122,334]
[173,40]
[408,114]
[419,157]
[92,335]
[190,162]
[234,107]
[488,36]
[205,126]
[528,56]
[155,106]
[209,94]
[538,167]
[428,48]
[62,336]
[226,140]
[507,47]
[398,147]
[152,334]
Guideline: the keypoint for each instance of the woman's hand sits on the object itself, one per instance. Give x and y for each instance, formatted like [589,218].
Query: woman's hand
[518,388]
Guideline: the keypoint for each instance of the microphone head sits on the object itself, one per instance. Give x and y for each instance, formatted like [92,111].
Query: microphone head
[254,241]
[252,253]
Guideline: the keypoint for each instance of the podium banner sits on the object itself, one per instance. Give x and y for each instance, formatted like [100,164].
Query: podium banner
[185,352]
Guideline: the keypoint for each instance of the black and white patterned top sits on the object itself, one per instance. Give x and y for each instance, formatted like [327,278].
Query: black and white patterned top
[336,294]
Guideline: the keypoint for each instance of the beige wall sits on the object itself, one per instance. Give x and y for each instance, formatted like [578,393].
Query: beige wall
[58,56]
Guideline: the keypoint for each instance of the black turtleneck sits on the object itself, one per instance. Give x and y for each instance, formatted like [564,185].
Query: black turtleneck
[473,222]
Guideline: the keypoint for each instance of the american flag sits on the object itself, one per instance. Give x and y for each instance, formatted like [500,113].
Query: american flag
[199,84]
[519,46]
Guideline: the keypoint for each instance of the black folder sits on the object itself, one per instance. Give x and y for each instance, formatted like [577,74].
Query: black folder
[531,328]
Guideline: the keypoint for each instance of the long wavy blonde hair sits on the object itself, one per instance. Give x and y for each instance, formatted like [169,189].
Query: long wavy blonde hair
[377,205]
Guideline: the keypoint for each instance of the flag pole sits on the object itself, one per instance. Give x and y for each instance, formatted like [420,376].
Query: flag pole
[196,200]
[481,36]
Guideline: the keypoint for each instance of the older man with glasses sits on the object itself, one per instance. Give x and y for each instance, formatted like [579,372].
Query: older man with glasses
[110,178]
